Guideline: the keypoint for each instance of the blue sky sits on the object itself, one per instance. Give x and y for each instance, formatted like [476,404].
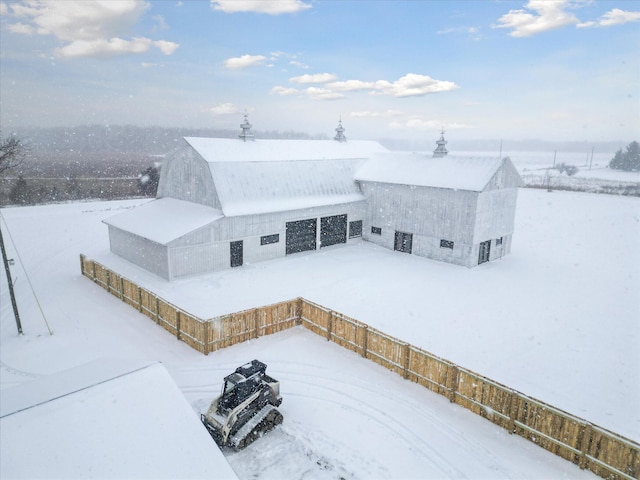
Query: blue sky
[545,69]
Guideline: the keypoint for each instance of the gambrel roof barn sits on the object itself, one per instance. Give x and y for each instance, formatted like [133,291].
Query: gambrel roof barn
[225,202]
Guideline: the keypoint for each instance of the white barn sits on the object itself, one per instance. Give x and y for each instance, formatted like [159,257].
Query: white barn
[225,202]
[455,209]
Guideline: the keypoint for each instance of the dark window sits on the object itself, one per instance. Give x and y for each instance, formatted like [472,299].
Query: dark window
[498,241]
[236,253]
[484,252]
[269,239]
[446,244]
[355,229]
[376,231]
[403,242]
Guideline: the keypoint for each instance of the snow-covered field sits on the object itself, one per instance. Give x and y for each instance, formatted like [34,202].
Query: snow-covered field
[558,319]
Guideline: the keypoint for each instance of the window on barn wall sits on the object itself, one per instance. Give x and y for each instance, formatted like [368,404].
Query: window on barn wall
[498,241]
[376,231]
[355,229]
[269,239]
[446,244]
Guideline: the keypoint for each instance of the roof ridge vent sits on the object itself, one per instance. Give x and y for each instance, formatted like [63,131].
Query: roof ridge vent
[246,134]
[441,150]
[340,133]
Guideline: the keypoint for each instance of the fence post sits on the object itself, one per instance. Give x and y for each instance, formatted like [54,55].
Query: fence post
[121,287]
[299,307]
[255,323]
[407,354]
[453,382]
[178,316]
[157,311]
[365,331]
[207,337]
[82,257]
[139,299]
[513,411]
[329,325]
[93,267]
[108,272]
[585,442]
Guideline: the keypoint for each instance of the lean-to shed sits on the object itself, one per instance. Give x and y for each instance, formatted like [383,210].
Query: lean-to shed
[455,209]
[224,202]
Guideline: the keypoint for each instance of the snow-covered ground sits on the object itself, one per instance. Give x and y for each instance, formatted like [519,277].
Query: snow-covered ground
[558,319]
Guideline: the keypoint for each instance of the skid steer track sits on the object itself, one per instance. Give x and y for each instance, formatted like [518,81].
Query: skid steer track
[264,421]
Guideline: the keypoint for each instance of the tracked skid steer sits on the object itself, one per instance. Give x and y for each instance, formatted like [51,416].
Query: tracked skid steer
[246,408]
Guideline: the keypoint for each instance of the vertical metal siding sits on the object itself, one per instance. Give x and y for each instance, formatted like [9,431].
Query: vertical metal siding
[207,249]
[140,251]
[186,176]
[496,214]
[196,259]
[430,212]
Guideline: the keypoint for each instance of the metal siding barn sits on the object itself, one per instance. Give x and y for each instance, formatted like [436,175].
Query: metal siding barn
[222,203]
[445,207]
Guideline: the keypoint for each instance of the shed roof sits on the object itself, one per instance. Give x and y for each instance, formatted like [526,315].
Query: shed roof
[165,219]
[111,418]
[406,168]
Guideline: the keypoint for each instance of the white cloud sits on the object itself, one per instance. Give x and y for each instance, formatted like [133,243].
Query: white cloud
[412,84]
[21,28]
[472,32]
[350,85]
[322,94]
[225,109]
[613,17]
[244,61]
[295,63]
[112,47]
[368,114]
[165,46]
[270,7]
[409,85]
[284,91]
[91,28]
[547,15]
[316,78]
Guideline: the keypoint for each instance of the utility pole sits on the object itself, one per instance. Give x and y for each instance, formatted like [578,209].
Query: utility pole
[10,281]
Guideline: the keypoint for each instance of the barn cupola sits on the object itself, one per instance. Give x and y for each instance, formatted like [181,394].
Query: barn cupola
[246,134]
[340,133]
[441,150]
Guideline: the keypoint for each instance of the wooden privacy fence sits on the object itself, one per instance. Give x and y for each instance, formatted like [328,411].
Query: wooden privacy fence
[603,452]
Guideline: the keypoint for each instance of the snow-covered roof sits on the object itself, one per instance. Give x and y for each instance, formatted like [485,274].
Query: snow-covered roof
[232,150]
[258,187]
[111,418]
[165,219]
[459,173]
[278,175]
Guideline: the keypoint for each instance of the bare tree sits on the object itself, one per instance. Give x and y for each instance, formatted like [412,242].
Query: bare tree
[12,152]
